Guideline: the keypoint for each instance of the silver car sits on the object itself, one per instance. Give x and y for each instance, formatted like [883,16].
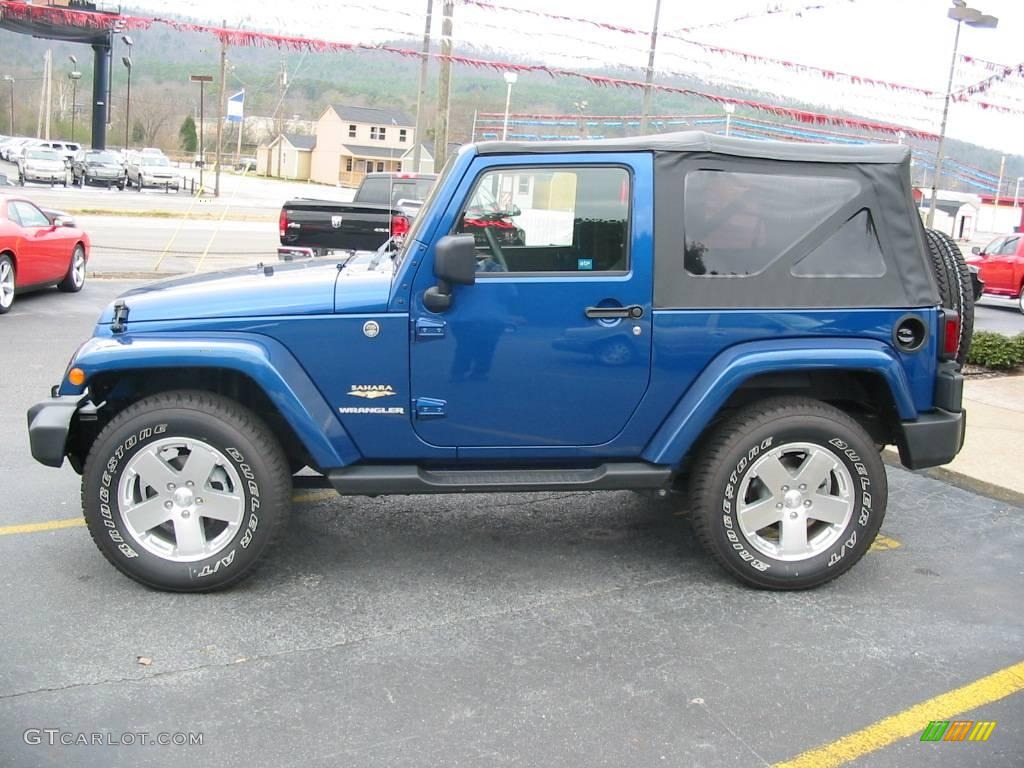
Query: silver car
[43,165]
[153,171]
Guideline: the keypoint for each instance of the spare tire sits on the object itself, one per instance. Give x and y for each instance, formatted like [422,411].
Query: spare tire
[955,287]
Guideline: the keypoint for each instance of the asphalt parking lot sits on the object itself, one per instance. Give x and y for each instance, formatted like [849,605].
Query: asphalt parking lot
[532,630]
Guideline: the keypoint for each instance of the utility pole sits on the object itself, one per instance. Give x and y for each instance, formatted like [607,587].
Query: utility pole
[42,100]
[280,119]
[220,108]
[649,77]
[999,186]
[444,84]
[49,92]
[421,96]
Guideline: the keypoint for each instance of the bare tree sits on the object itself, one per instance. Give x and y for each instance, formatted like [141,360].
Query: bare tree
[156,113]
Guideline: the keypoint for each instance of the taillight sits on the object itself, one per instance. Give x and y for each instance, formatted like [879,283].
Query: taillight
[399,225]
[950,322]
[282,223]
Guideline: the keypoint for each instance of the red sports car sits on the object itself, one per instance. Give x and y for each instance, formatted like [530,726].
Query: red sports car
[38,249]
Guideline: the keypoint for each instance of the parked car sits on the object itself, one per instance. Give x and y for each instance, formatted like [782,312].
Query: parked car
[153,171]
[65,149]
[19,149]
[383,207]
[43,165]
[780,311]
[246,164]
[1001,267]
[38,249]
[9,148]
[97,166]
[152,152]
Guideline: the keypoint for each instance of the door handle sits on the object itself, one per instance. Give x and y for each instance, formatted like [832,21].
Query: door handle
[634,311]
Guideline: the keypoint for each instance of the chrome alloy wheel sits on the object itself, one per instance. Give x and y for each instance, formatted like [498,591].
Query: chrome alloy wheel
[795,501]
[181,499]
[78,267]
[6,284]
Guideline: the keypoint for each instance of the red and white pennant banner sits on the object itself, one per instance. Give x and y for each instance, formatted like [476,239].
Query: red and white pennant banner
[238,37]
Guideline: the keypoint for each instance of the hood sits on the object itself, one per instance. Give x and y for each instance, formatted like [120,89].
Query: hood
[45,165]
[282,288]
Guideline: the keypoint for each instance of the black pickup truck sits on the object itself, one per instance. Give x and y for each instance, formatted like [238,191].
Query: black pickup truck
[383,207]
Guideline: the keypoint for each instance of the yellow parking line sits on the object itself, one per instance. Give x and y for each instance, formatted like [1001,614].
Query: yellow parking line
[74,522]
[52,525]
[882,543]
[912,721]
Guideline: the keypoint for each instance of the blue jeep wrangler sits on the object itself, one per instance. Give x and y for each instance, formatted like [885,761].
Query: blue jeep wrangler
[746,324]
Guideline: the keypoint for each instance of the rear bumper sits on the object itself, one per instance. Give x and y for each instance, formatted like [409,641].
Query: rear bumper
[932,440]
[936,437]
[49,423]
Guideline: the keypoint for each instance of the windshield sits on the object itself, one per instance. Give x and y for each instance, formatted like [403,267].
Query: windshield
[42,154]
[99,156]
[417,223]
[151,160]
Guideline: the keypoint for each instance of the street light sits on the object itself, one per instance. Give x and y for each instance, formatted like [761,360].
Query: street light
[729,110]
[203,80]
[972,17]
[74,77]
[10,80]
[510,80]
[1016,192]
[127,61]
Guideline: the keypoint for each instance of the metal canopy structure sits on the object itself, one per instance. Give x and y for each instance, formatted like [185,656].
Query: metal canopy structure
[99,39]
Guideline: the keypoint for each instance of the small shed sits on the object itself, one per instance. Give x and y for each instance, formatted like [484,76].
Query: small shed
[287,156]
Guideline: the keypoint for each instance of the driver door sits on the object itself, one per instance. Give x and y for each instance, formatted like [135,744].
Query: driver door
[39,254]
[552,344]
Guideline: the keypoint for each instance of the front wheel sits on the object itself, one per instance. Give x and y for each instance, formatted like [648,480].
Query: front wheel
[185,491]
[788,494]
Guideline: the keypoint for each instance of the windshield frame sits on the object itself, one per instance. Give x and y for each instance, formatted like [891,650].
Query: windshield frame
[417,223]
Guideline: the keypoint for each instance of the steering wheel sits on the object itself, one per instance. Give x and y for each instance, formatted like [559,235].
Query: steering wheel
[492,241]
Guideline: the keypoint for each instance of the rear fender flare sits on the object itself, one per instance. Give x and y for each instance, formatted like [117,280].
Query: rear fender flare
[265,361]
[732,367]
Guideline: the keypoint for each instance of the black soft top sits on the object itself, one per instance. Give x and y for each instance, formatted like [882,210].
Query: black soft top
[698,141]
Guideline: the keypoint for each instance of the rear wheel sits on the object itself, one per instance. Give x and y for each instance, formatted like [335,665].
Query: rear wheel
[7,283]
[788,494]
[185,491]
[955,288]
[74,279]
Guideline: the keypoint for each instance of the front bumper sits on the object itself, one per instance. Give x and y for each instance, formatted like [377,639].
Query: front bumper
[51,176]
[49,423]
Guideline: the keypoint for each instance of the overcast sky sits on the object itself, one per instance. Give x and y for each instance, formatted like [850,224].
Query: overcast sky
[905,41]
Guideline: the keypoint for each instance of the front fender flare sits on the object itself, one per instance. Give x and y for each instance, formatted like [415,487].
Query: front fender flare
[265,361]
[737,364]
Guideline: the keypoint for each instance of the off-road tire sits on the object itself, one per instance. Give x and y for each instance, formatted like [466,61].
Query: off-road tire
[733,450]
[240,436]
[955,288]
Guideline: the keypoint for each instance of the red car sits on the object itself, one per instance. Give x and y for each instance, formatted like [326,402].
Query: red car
[1001,267]
[38,249]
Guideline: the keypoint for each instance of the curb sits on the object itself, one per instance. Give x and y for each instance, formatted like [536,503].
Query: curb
[960,480]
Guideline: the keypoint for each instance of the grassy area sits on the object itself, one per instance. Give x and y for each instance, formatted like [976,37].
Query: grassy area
[157,214]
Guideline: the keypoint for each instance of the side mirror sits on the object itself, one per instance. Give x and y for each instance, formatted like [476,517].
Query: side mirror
[63,221]
[976,250]
[454,263]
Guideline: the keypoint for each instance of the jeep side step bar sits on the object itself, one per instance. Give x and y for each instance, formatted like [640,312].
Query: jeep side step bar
[372,480]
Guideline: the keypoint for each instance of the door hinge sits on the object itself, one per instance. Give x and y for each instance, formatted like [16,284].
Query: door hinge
[429,328]
[430,408]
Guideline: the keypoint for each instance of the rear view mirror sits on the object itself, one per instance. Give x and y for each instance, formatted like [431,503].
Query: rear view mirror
[454,263]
